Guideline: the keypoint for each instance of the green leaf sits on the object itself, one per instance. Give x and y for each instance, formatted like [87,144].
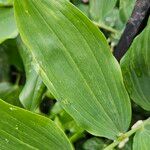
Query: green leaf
[6,2]
[66,122]
[75,2]
[136,69]
[9,47]
[4,66]
[126,7]
[105,15]
[94,144]
[8,29]
[99,9]
[31,95]
[9,57]
[76,64]
[10,93]
[84,8]
[24,130]
[142,138]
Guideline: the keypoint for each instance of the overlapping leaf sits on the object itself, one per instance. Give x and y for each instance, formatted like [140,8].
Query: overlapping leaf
[24,130]
[32,93]
[104,14]
[136,69]
[8,27]
[76,64]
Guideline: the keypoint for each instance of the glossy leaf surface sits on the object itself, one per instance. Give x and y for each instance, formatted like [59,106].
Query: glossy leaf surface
[76,64]
[24,130]
[136,69]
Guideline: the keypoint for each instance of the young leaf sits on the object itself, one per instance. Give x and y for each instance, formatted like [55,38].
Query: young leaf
[8,27]
[32,93]
[24,130]
[142,138]
[136,69]
[76,64]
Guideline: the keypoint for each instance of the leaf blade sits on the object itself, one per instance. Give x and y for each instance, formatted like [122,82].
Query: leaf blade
[31,95]
[8,29]
[142,138]
[20,128]
[135,67]
[100,8]
[73,78]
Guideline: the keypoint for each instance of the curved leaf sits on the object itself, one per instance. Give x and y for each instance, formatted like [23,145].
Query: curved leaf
[31,95]
[76,64]
[136,69]
[8,27]
[142,138]
[24,130]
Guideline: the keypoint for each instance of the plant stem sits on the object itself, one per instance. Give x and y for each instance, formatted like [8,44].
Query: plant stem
[136,23]
[127,135]
[100,25]
[18,79]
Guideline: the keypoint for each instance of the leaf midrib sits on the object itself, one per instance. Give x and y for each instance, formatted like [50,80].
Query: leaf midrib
[74,64]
